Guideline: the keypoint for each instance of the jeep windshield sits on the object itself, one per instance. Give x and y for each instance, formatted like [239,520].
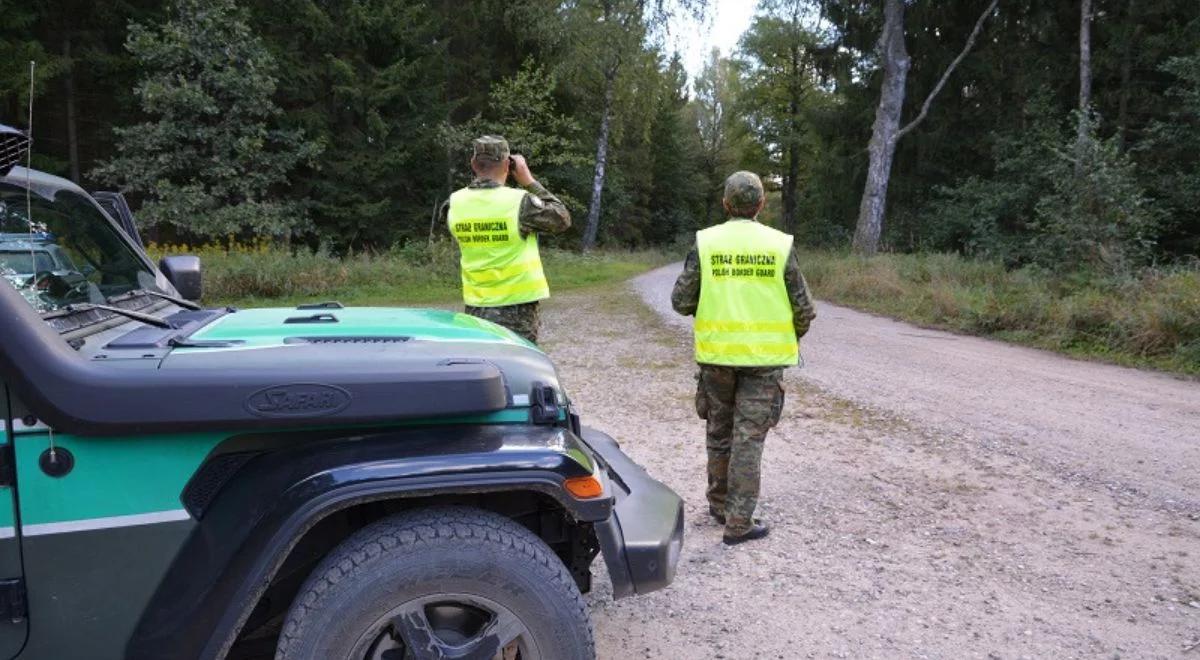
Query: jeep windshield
[68,253]
[26,260]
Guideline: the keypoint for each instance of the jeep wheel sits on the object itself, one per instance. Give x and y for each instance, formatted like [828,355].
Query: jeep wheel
[446,582]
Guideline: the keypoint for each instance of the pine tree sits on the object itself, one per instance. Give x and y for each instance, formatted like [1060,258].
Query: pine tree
[210,158]
[1171,156]
[678,191]
[366,79]
[18,47]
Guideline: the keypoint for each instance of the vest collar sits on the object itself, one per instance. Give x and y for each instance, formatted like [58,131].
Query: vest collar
[481,182]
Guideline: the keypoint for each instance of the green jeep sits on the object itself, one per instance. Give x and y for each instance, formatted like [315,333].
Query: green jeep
[312,482]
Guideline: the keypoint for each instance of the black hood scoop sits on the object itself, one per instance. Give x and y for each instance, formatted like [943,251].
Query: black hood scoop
[348,339]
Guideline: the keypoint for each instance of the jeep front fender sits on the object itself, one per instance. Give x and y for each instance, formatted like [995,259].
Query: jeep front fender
[289,482]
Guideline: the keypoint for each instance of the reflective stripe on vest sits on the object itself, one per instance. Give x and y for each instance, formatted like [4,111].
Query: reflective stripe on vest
[499,267]
[745,316]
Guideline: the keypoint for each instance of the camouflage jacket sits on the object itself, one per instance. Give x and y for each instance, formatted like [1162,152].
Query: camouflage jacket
[541,212]
[685,298]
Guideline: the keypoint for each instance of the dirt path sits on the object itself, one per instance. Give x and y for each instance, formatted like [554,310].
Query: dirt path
[931,495]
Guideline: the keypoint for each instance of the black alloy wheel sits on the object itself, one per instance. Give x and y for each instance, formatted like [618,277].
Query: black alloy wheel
[450,626]
[442,583]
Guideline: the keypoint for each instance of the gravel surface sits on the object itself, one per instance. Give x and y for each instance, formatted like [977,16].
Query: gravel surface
[931,495]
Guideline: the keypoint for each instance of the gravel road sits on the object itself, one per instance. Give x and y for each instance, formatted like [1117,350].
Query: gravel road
[931,495]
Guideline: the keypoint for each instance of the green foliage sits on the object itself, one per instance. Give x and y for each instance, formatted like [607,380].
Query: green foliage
[678,183]
[775,67]
[1054,200]
[988,217]
[971,176]
[726,143]
[394,89]
[1096,216]
[381,85]
[261,274]
[363,78]
[1148,319]
[523,109]
[210,155]
[654,189]
[18,47]
[1171,155]
[781,82]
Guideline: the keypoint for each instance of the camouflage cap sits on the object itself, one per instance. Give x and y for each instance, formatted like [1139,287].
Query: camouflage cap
[491,147]
[743,190]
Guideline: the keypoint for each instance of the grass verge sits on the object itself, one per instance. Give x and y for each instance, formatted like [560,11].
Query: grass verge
[1151,319]
[260,275]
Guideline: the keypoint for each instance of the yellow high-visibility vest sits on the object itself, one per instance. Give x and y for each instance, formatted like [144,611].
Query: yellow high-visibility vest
[499,266]
[745,316]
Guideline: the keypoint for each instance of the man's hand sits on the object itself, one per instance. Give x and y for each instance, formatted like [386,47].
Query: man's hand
[520,170]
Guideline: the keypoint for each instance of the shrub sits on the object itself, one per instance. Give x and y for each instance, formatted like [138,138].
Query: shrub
[261,272]
[1151,317]
[1061,199]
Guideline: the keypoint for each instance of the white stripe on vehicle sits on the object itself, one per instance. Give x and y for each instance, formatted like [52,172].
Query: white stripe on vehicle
[42,529]
[7,533]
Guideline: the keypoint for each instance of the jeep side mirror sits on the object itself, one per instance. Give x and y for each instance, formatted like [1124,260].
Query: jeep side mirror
[183,271]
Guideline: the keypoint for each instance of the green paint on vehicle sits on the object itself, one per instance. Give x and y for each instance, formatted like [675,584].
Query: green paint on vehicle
[269,327]
[507,416]
[145,474]
[6,509]
[112,476]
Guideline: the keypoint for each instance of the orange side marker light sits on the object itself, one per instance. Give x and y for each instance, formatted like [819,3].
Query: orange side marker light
[585,488]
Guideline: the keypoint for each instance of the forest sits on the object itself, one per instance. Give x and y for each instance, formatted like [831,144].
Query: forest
[1065,134]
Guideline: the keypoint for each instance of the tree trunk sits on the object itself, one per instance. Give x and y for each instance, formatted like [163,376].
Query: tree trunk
[791,176]
[790,183]
[72,122]
[593,217]
[1085,55]
[447,85]
[708,209]
[1085,81]
[1085,60]
[883,135]
[1131,35]
[791,151]
[886,133]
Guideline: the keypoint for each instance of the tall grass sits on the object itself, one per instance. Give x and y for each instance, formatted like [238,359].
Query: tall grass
[1148,319]
[261,274]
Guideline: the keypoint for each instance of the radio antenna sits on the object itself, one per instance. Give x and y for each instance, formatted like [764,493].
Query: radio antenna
[32,294]
[28,186]
[29,214]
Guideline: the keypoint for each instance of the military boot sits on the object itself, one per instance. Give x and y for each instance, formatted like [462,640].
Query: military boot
[756,532]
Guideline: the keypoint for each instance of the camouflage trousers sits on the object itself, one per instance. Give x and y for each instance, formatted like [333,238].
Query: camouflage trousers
[522,319]
[740,405]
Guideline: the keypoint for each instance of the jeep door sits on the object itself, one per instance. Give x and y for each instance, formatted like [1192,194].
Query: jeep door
[98,531]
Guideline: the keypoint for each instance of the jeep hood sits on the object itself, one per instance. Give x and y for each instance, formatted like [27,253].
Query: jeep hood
[303,343]
[277,326]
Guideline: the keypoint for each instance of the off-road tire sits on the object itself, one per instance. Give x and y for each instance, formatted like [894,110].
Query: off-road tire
[431,551]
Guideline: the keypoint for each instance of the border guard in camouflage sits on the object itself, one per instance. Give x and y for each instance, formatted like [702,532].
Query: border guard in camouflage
[496,228]
[742,281]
